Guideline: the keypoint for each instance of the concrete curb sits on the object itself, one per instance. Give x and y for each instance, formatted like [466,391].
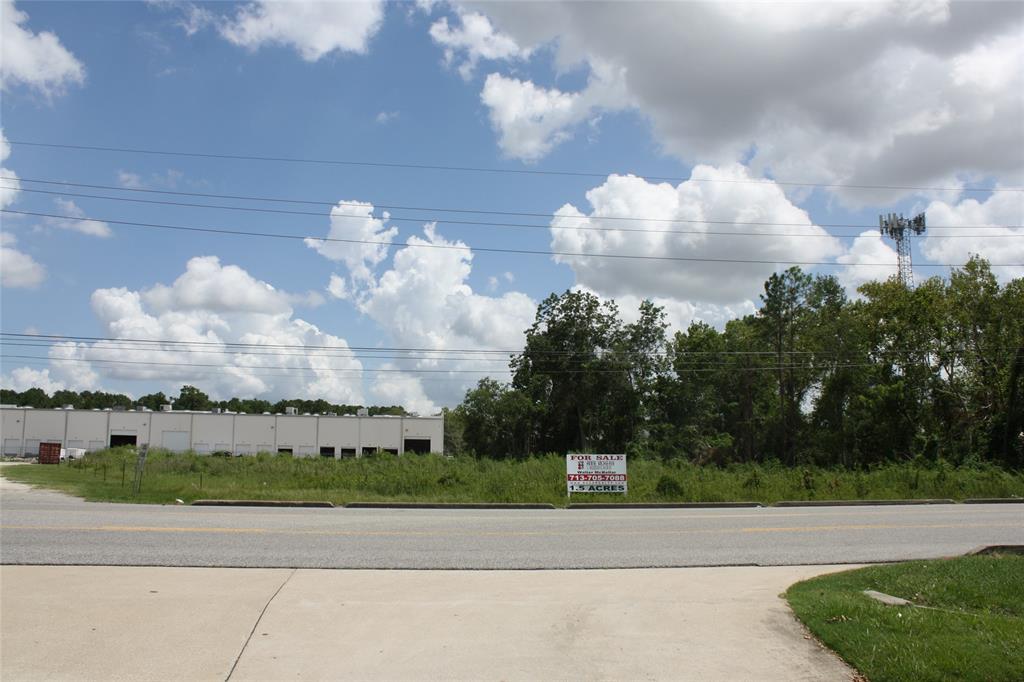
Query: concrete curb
[662,505]
[997,549]
[262,503]
[447,505]
[855,503]
[995,500]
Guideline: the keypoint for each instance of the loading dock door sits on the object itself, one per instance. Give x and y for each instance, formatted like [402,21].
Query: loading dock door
[420,446]
[122,439]
[175,441]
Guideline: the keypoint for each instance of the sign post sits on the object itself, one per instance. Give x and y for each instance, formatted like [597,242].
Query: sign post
[595,474]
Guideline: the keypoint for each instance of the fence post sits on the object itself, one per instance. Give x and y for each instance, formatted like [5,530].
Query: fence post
[140,465]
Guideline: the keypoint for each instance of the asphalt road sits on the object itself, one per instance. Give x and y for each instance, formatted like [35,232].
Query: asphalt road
[41,527]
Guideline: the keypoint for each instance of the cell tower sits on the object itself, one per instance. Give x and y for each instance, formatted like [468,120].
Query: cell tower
[899,228]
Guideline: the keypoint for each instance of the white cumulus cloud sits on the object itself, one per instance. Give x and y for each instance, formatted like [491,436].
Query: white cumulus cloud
[475,39]
[868,258]
[313,29]
[532,120]
[36,60]
[210,305]
[9,184]
[78,222]
[993,228]
[924,91]
[424,301]
[673,216]
[354,221]
[24,378]
[18,269]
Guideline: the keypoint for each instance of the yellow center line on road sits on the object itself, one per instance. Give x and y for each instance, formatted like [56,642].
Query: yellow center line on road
[545,533]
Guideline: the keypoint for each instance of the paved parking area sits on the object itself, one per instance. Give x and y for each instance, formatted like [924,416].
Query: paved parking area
[147,623]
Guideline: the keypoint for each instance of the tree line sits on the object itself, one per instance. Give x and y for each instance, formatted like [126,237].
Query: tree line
[935,371]
[189,398]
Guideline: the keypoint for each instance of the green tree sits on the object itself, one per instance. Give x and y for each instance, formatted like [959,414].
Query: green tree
[583,373]
[34,397]
[191,398]
[154,401]
[784,316]
[494,420]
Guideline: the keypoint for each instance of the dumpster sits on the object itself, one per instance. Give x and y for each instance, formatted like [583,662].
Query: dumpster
[49,453]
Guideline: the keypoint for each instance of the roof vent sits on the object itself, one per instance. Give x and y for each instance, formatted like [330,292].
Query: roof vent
[69,407]
[291,410]
[362,412]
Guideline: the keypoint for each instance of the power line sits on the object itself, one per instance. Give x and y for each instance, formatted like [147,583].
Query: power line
[233,371]
[483,169]
[230,351]
[48,340]
[435,209]
[292,368]
[483,249]
[578,228]
[677,360]
[617,370]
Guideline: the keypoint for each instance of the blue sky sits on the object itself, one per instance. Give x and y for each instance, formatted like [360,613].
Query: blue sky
[729,94]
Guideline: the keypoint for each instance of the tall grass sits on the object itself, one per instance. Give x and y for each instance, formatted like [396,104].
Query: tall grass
[540,478]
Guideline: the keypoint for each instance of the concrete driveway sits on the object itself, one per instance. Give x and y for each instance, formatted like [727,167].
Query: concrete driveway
[145,623]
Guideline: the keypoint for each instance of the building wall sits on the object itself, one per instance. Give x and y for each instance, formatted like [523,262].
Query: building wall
[297,433]
[87,429]
[171,430]
[130,424]
[23,429]
[213,433]
[340,433]
[43,426]
[424,428]
[383,432]
[12,424]
[255,433]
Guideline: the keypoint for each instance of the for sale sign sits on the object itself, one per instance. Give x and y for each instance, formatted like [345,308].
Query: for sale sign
[595,473]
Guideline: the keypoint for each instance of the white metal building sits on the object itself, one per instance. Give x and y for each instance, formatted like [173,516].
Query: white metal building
[23,428]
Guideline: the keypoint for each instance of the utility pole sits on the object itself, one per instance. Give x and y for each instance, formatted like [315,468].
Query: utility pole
[899,228]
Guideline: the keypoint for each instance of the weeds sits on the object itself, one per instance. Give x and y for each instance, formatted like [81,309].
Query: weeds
[540,478]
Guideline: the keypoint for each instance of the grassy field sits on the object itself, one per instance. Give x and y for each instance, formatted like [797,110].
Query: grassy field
[974,630]
[432,478]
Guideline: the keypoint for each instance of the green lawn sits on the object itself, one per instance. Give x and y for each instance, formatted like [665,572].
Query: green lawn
[432,478]
[975,630]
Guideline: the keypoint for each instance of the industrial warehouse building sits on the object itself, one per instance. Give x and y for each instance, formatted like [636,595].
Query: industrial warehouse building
[24,428]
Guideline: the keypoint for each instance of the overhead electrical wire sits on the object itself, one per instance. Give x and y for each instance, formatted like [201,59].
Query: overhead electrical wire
[483,249]
[111,343]
[618,370]
[232,370]
[281,354]
[579,228]
[386,370]
[464,363]
[483,169]
[436,209]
